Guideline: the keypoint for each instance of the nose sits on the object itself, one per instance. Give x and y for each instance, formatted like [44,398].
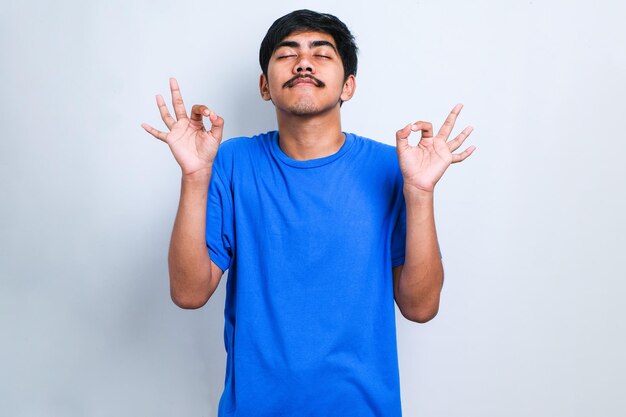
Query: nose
[303,65]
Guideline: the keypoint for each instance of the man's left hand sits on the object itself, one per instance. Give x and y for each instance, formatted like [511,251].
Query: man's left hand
[424,164]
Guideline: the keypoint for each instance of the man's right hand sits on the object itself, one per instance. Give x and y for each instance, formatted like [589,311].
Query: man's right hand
[192,145]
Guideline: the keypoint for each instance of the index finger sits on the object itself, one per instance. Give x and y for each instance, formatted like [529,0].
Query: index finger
[448,125]
[177,100]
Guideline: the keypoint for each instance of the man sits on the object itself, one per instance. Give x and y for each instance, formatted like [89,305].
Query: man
[321,230]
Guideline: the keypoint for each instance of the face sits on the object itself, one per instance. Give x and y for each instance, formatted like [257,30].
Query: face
[305,75]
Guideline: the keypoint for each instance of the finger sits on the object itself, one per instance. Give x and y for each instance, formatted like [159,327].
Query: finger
[447,126]
[198,111]
[177,100]
[456,143]
[461,156]
[425,127]
[217,125]
[402,137]
[165,113]
[154,132]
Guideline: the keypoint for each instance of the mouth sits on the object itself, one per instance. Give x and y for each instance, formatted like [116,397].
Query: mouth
[304,80]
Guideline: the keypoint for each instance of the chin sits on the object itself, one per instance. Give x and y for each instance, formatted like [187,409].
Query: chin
[308,108]
[304,109]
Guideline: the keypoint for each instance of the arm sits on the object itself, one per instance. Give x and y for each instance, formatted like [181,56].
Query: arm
[193,276]
[417,284]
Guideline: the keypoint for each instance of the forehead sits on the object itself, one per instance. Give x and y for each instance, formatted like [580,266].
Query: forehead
[306,38]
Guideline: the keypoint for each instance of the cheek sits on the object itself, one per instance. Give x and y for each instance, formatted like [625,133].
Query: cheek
[274,81]
[335,75]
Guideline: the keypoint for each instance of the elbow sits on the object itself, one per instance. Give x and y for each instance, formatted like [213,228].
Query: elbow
[188,302]
[420,315]
[420,318]
[420,305]
[190,291]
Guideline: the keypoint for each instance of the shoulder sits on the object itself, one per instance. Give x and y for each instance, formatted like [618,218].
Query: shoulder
[239,150]
[373,145]
[378,161]
[373,150]
[238,144]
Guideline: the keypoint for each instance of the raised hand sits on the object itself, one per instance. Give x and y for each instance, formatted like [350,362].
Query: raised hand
[424,164]
[194,147]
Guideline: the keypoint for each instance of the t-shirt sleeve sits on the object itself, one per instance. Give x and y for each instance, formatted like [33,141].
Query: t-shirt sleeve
[398,237]
[219,224]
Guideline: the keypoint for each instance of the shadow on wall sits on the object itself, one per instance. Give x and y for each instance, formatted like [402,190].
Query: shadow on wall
[169,353]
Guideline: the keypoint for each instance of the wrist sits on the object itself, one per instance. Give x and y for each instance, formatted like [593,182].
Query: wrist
[200,176]
[414,194]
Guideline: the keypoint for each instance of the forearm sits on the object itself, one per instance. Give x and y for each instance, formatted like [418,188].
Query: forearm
[421,279]
[191,283]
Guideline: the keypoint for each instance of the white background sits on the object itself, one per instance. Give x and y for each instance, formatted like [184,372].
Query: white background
[531,226]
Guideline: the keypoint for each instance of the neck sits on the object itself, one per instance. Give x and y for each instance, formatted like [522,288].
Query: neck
[310,137]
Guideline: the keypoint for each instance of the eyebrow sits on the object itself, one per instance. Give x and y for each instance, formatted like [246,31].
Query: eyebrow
[312,44]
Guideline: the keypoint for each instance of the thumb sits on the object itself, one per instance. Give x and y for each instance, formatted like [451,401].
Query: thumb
[217,125]
[402,137]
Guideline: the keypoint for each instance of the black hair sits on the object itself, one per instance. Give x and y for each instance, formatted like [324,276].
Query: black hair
[306,20]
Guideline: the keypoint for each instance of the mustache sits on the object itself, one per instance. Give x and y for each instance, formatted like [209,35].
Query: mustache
[290,83]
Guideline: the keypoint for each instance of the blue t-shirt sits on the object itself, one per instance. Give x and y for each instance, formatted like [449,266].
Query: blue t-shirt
[310,246]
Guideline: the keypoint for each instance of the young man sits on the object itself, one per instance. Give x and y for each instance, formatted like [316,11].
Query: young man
[321,230]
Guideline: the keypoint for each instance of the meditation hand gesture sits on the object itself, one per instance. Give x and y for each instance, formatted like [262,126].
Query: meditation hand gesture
[424,164]
[192,145]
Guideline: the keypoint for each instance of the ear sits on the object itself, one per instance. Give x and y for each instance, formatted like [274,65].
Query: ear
[349,86]
[264,88]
